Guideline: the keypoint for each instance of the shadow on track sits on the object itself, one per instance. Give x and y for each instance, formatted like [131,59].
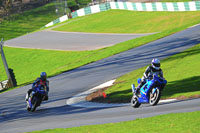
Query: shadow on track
[19,112]
[145,52]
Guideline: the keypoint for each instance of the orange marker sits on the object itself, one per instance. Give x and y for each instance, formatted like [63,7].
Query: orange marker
[104,95]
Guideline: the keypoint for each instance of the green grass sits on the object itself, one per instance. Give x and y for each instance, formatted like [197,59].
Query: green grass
[174,123]
[29,21]
[181,71]
[28,63]
[124,21]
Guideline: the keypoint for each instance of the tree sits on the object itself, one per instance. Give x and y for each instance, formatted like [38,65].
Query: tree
[72,4]
[83,3]
[76,4]
[6,5]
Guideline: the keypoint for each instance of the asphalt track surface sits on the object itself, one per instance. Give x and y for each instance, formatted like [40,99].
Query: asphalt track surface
[72,41]
[56,114]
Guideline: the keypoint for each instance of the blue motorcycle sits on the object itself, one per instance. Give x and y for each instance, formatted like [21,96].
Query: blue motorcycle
[150,92]
[36,98]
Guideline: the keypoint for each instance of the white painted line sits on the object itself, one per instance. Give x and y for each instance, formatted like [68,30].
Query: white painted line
[40,48]
[194,25]
[86,104]
[78,99]
[109,83]
[125,34]
[167,100]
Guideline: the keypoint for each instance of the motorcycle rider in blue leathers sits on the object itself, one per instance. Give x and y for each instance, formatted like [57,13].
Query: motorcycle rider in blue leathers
[39,81]
[153,69]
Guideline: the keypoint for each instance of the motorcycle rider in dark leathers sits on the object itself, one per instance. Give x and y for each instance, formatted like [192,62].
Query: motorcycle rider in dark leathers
[42,80]
[154,68]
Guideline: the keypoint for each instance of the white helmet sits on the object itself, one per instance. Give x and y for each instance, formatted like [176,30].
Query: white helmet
[155,63]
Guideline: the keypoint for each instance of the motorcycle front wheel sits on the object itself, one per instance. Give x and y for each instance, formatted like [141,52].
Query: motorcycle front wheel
[134,102]
[28,108]
[34,105]
[154,97]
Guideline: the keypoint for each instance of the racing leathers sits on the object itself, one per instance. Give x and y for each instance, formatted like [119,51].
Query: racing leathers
[148,74]
[37,82]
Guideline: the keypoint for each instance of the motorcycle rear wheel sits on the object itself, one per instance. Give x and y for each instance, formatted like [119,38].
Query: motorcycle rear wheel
[154,98]
[134,102]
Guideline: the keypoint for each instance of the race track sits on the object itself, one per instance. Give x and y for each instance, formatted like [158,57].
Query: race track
[56,114]
[72,41]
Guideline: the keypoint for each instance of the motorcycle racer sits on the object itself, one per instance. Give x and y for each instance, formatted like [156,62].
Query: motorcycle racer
[42,80]
[153,69]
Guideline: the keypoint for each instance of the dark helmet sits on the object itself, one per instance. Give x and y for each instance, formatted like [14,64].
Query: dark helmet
[43,75]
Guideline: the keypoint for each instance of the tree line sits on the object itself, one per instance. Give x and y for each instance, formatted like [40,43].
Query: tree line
[8,7]
[14,6]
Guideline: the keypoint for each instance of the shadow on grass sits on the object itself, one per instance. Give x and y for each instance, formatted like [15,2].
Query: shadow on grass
[183,54]
[191,84]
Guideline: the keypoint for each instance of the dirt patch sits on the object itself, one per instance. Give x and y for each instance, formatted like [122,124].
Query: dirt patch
[99,97]
[118,82]
[182,98]
[96,95]
[190,97]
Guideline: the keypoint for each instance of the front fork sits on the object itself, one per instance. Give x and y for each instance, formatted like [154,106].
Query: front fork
[133,88]
[29,104]
[30,98]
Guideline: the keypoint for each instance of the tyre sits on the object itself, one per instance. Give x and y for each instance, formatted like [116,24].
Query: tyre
[134,102]
[154,98]
[34,105]
[37,102]
[28,108]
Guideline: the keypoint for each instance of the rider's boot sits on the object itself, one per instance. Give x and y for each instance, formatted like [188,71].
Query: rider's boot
[27,96]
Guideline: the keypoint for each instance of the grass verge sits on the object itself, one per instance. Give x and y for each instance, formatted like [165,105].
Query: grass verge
[124,21]
[177,122]
[181,71]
